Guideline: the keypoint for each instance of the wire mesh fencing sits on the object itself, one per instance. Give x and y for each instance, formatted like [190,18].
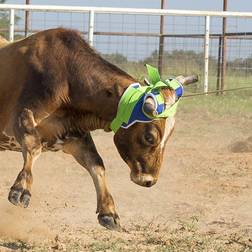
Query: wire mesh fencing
[178,45]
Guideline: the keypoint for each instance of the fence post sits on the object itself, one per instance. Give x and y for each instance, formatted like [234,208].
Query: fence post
[206,64]
[218,81]
[161,40]
[91,28]
[11,25]
[27,19]
[224,48]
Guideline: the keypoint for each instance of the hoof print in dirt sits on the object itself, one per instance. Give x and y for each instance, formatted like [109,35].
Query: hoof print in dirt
[110,222]
[242,146]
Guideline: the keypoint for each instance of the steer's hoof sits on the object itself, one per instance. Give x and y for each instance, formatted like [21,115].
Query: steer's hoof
[14,196]
[19,197]
[111,222]
[25,199]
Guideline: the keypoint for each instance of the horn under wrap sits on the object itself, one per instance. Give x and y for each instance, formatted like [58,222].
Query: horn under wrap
[149,107]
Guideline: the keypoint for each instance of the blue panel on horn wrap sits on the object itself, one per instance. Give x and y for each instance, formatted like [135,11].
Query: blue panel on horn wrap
[179,91]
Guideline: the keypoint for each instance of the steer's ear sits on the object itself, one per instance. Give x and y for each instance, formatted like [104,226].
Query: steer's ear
[115,91]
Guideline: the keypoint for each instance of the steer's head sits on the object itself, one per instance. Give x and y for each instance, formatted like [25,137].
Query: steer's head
[142,145]
[144,122]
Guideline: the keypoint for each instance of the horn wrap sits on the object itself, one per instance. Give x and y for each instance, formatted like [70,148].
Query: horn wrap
[146,103]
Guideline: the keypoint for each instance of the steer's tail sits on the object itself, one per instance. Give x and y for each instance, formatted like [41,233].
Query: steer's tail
[3,41]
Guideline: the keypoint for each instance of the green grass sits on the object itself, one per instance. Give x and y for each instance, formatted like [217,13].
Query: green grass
[228,104]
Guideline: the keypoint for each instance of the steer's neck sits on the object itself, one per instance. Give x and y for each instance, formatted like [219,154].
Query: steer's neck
[97,88]
[114,85]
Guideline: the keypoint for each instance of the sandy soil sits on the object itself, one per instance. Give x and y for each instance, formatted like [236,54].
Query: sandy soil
[206,176]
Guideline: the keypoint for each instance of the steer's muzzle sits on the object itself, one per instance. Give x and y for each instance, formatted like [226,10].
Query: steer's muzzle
[145,180]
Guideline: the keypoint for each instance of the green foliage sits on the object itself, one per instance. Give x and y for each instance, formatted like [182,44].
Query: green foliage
[116,58]
[242,65]
[4,21]
[180,62]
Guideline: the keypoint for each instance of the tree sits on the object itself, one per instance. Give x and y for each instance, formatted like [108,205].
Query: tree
[4,21]
[178,62]
[116,58]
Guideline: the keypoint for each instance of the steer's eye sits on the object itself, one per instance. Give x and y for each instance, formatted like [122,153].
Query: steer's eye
[149,138]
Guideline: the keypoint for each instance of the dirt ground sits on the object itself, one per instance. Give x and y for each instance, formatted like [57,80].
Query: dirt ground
[202,201]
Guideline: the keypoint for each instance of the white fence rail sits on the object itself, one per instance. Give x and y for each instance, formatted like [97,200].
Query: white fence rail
[55,8]
[127,11]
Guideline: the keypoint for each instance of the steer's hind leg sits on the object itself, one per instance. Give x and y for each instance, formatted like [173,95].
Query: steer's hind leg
[29,140]
[84,151]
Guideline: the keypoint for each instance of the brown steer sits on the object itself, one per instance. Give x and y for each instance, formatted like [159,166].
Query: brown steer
[54,90]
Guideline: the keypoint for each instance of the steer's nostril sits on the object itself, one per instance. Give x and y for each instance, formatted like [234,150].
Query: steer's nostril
[148,183]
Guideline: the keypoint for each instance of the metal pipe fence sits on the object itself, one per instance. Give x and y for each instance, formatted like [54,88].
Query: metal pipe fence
[190,40]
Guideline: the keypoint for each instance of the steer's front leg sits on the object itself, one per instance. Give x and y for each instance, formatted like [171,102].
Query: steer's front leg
[29,139]
[84,151]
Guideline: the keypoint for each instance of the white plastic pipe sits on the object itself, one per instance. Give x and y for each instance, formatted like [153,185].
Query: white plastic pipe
[206,64]
[55,8]
[11,25]
[91,28]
